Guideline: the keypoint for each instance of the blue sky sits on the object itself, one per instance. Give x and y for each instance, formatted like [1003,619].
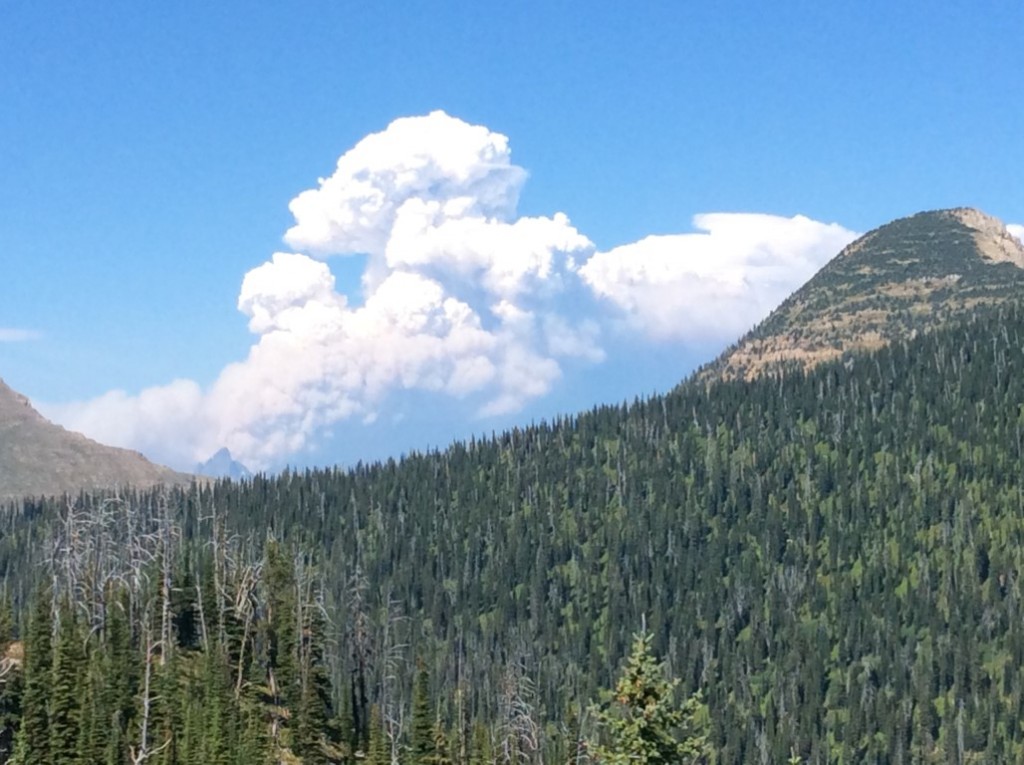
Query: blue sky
[149,155]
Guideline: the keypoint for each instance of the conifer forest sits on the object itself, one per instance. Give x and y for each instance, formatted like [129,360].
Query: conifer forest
[821,567]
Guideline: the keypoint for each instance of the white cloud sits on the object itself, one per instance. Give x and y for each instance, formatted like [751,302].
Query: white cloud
[1016,230]
[13,335]
[459,298]
[717,283]
[163,420]
[466,168]
[287,291]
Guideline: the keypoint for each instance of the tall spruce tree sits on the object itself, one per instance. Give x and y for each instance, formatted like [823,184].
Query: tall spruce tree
[218,721]
[643,724]
[378,753]
[32,745]
[95,719]
[67,688]
[11,681]
[315,711]
[442,749]
[422,743]
[282,634]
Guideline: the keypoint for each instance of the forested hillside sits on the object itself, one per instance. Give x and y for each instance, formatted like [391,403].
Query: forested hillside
[834,557]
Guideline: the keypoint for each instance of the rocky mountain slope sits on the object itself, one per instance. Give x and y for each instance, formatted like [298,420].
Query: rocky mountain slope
[40,458]
[912,274]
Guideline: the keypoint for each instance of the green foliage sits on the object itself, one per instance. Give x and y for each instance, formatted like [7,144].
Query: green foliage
[281,626]
[66,690]
[117,693]
[442,750]
[313,716]
[423,742]
[11,682]
[835,558]
[32,743]
[378,753]
[644,724]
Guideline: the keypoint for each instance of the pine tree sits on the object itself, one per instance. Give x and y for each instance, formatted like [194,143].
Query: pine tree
[282,630]
[255,745]
[481,750]
[121,663]
[32,744]
[166,714]
[314,710]
[67,685]
[95,729]
[442,751]
[190,741]
[378,753]
[115,751]
[11,683]
[643,725]
[120,673]
[422,742]
[217,720]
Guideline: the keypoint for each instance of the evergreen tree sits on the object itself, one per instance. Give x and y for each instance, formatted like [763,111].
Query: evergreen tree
[190,739]
[442,750]
[643,724]
[95,728]
[115,749]
[422,743]
[165,719]
[11,681]
[281,628]
[119,668]
[481,751]
[32,745]
[314,712]
[67,683]
[378,753]
[217,718]
[255,746]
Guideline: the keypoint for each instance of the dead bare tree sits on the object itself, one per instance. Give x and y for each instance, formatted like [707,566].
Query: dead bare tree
[392,658]
[231,566]
[217,541]
[518,731]
[246,606]
[303,598]
[167,533]
[144,750]
[358,639]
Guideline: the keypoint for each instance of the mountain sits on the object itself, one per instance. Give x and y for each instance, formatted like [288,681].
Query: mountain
[910,275]
[834,558]
[223,465]
[38,457]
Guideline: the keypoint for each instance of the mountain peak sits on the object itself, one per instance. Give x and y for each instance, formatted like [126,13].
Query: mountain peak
[994,241]
[38,457]
[223,465]
[908,276]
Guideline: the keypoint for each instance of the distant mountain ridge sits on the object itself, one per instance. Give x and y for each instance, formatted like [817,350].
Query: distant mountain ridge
[223,465]
[833,559]
[910,275]
[38,457]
